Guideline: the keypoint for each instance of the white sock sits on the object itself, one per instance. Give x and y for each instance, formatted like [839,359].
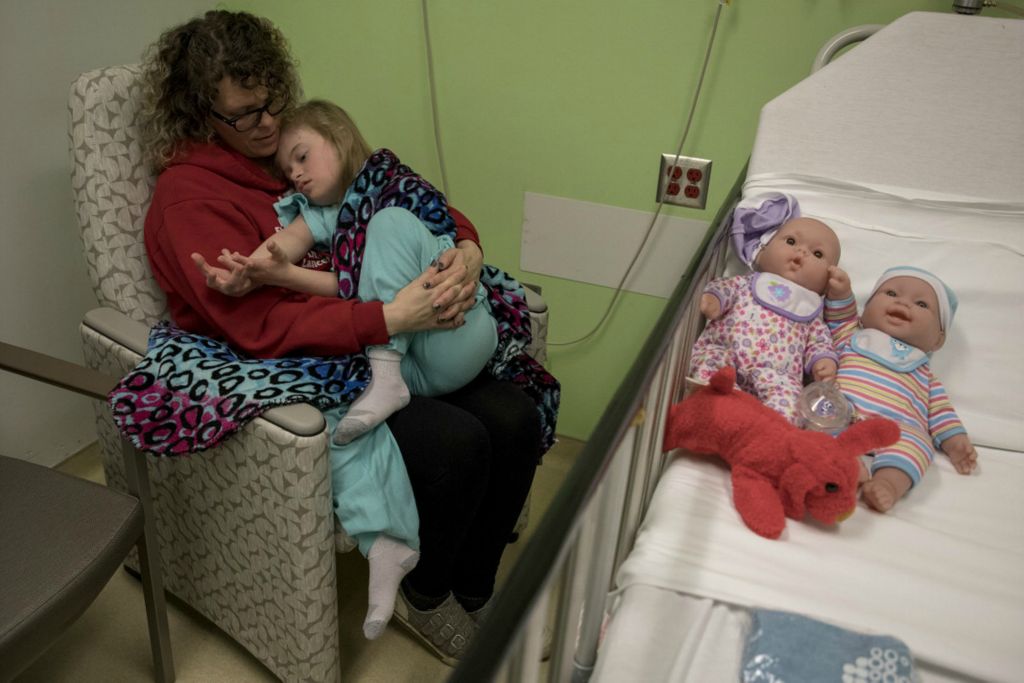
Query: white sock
[385,394]
[390,561]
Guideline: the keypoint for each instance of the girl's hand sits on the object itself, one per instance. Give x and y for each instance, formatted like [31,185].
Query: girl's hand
[262,270]
[231,280]
[838,284]
[413,308]
[460,268]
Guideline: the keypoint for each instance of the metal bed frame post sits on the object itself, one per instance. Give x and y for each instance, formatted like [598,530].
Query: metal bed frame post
[648,459]
[598,581]
[592,522]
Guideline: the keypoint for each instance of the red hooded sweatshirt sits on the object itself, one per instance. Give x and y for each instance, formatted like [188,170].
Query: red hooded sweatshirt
[211,198]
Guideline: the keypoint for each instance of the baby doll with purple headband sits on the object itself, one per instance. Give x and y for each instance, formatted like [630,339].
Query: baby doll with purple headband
[768,323]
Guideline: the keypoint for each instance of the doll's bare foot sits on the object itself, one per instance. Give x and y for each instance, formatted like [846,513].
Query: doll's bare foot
[885,487]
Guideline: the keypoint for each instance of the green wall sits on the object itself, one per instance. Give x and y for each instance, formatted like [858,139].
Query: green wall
[570,98]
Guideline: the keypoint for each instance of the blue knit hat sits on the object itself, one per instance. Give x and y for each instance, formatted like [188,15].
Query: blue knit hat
[947,298]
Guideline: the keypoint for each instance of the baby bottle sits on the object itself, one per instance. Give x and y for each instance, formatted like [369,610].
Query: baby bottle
[823,408]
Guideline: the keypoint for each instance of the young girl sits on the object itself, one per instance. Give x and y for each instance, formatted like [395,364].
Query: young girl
[322,153]
[768,323]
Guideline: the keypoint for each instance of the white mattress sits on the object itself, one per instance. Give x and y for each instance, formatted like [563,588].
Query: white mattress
[943,571]
[930,105]
[911,146]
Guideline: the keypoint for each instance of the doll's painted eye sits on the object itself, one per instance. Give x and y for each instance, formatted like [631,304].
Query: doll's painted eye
[831,488]
[790,241]
[922,304]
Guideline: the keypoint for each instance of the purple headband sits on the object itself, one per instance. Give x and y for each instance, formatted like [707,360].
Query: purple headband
[753,227]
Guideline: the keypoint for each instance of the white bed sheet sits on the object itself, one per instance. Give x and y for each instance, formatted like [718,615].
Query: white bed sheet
[943,571]
[705,643]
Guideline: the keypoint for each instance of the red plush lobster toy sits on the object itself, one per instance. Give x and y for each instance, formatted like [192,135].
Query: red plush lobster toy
[778,470]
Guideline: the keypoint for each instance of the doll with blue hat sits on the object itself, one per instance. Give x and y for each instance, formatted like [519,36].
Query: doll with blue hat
[884,370]
[768,323]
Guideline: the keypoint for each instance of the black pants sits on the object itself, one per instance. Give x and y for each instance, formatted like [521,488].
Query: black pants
[471,457]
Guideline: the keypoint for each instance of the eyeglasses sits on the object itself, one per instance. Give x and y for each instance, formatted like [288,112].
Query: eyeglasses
[250,119]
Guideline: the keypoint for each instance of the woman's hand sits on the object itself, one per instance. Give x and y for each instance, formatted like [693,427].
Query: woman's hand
[460,267]
[231,280]
[414,309]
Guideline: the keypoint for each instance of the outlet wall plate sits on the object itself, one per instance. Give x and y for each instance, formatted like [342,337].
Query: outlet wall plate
[684,181]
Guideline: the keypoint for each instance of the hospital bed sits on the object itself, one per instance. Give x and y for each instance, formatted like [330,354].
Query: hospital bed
[911,146]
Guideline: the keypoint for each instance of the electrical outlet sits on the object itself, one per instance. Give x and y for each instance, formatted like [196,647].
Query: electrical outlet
[683,181]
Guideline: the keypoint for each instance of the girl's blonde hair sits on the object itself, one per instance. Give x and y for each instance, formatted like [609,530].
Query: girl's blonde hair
[182,70]
[335,125]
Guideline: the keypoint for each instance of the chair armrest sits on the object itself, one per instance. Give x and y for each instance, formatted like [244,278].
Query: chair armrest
[534,301]
[300,419]
[60,373]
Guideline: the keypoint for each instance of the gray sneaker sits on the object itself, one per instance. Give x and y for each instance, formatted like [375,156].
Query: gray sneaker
[446,630]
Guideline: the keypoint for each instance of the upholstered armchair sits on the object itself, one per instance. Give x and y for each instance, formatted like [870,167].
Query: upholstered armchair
[246,530]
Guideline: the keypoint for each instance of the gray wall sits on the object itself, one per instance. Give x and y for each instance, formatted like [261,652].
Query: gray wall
[44,290]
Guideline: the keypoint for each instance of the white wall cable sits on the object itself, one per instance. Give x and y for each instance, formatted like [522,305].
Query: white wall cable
[661,202]
[433,104]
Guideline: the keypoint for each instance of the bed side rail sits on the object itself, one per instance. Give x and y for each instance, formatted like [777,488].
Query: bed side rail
[592,521]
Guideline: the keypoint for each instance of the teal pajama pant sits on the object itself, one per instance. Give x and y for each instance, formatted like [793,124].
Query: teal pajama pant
[371,489]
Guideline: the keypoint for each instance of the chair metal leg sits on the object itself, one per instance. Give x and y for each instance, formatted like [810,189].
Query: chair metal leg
[149,562]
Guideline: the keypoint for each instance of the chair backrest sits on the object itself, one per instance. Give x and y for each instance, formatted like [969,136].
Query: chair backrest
[112,189]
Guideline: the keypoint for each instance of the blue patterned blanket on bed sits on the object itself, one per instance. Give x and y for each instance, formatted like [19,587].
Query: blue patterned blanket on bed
[784,647]
[190,392]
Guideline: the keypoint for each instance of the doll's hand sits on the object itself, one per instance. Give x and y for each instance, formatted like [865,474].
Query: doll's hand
[838,284]
[710,306]
[961,451]
[231,280]
[823,369]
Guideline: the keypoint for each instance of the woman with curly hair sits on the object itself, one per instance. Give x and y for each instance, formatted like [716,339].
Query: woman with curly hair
[214,89]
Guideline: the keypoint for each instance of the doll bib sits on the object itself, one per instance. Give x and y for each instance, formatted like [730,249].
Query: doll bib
[888,351]
[785,297]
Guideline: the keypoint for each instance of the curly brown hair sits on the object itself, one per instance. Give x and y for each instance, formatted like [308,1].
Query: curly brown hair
[182,68]
[333,124]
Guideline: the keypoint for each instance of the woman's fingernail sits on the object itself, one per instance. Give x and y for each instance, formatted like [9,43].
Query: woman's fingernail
[437,306]
[434,262]
[426,285]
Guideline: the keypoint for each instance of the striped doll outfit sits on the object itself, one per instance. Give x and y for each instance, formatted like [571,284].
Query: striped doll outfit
[883,376]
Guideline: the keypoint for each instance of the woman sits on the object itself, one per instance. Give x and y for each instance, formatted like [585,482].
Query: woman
[214,87]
